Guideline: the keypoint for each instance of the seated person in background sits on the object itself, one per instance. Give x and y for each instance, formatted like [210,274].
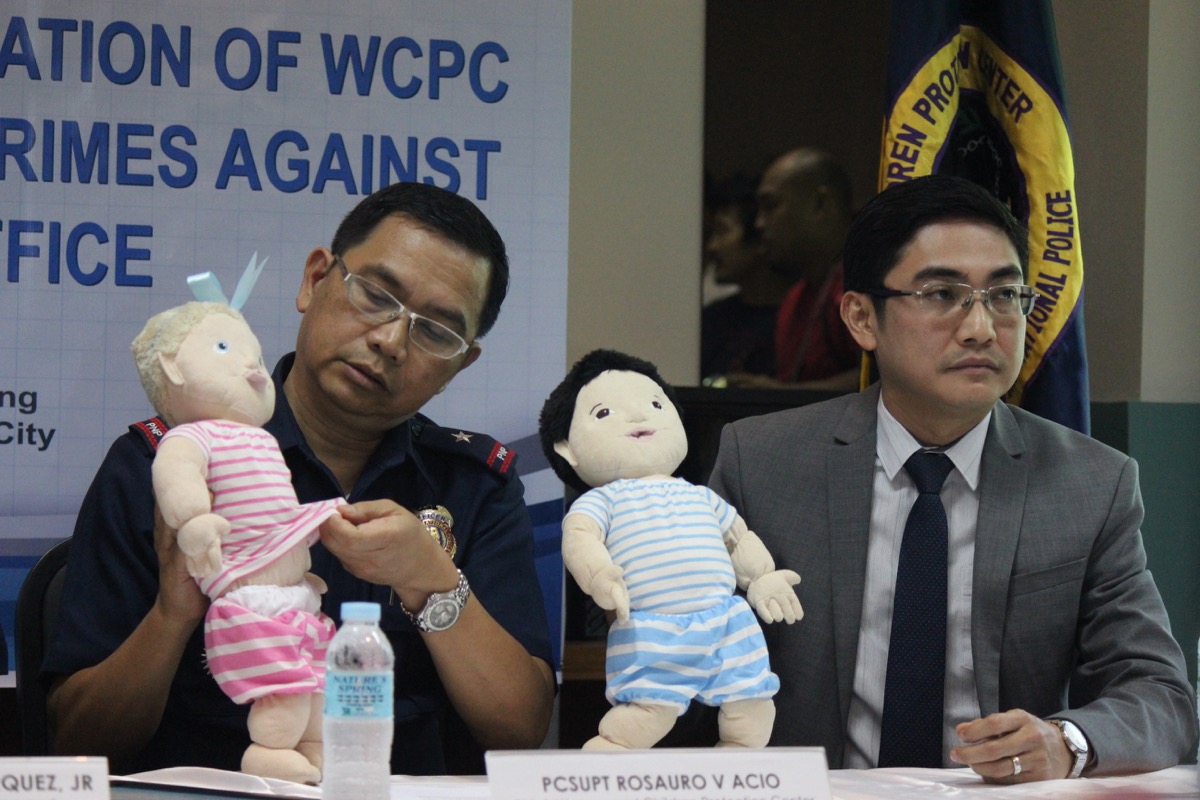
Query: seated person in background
[392,311]
[737,333]
[710,290]
[804,210]
[1039,647]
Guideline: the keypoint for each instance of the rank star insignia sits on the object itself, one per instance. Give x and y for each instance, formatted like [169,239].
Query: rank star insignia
[463,437]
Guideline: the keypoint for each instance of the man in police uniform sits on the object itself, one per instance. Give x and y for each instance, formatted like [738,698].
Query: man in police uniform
[392,311]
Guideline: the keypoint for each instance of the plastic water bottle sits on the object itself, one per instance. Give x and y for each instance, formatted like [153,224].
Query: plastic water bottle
[358,708]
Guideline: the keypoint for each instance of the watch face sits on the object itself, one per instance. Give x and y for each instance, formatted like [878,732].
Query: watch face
[441,614]
[1074,737]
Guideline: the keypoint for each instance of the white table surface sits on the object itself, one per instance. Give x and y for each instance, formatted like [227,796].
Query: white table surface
[849,784]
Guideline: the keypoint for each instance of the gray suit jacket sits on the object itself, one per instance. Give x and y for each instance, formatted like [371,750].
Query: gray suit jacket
[1066,619]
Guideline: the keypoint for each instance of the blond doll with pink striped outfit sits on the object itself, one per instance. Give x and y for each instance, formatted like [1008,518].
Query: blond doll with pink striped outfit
[221,482]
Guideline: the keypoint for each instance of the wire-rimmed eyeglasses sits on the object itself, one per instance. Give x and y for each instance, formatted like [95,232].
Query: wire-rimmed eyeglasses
[941,299]
[378,305]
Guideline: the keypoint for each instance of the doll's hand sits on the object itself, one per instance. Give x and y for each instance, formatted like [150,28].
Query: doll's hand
[200,540]
[609,591]
[773,597]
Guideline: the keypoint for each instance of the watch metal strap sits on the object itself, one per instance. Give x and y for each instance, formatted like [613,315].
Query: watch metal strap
[460,593]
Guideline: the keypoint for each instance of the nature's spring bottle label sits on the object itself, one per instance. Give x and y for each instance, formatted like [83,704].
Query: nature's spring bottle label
[358,695]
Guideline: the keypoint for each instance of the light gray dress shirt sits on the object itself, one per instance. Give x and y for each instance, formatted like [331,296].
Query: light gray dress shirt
[893,496]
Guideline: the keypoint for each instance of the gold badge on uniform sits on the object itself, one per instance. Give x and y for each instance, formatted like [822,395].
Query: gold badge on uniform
[439,522]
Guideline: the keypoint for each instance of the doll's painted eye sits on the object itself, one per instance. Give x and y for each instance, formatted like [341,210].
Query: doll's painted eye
[656,404]
[602,413]
[221,346]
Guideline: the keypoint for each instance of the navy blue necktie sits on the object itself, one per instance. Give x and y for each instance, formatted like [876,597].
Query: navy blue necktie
[911,731]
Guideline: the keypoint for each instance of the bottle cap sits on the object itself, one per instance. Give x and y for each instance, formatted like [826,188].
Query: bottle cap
[360,612]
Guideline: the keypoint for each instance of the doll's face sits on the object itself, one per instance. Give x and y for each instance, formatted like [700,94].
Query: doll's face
[623,427]
[221,368]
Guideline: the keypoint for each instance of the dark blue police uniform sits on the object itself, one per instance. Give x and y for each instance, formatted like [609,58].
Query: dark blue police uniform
[112,582]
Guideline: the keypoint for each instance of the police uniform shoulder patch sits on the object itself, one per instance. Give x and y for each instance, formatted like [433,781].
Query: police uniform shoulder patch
[477,446]
[151,431]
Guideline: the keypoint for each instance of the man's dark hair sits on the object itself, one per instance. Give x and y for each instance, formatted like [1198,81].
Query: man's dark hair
[738,192]
[554,423]
[439,211]
[888,223]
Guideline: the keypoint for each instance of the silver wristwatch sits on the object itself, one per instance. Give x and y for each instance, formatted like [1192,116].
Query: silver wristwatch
[1077,745]
[442,608]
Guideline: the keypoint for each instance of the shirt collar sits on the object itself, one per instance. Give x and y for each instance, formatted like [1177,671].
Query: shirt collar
[894,444]
[282,423]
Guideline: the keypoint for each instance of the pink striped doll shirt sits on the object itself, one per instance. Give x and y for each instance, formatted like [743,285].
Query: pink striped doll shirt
[259,640]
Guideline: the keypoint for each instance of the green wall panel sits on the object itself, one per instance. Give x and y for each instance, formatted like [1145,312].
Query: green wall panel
[1165,440]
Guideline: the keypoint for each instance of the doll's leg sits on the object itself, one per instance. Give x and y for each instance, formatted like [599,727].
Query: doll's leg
[633,726]
[311,746]
[746,723]
[284,765]
[276,724]
[278,720]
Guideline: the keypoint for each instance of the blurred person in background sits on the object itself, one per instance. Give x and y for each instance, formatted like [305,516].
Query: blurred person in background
[737,333]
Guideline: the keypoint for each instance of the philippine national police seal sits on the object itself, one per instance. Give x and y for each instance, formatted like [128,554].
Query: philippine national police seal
[971,107]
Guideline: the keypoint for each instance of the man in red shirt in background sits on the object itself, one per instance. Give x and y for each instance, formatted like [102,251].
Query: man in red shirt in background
[804,211]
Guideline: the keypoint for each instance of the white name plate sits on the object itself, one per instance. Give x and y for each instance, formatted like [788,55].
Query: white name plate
[54,778]
[721,773]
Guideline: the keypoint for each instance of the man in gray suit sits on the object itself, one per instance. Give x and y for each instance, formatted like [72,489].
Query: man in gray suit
[1058,653]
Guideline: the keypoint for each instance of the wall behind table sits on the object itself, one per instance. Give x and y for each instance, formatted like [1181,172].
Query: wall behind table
[637,92]
[1137,167]
[1165,440]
